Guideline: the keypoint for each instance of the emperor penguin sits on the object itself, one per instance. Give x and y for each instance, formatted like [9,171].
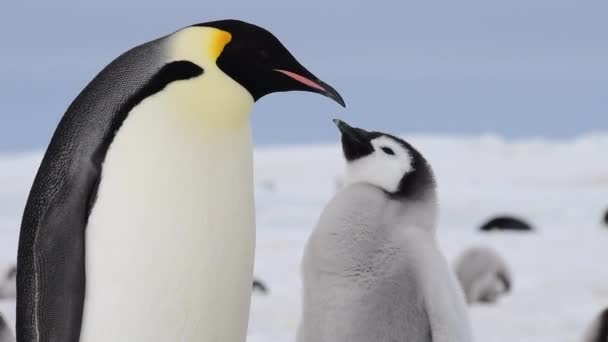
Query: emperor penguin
[483,274]
[598,331]
[140,223]
[372,270]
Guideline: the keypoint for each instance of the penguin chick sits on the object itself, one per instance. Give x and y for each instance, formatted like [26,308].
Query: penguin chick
[483,275]
[372,270]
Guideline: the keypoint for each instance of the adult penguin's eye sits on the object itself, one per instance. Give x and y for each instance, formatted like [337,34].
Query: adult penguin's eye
[388,150]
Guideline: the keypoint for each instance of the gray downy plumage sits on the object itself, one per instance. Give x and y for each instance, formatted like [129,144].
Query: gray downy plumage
[483,275]
[372,270]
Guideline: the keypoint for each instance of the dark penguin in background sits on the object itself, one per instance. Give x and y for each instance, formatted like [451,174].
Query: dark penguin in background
[259,286]
[140,223]
[506,223]
[598,331]
[605,218]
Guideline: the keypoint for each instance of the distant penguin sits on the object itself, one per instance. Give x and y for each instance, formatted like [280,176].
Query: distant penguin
[506,223]
[605,218]
[6,334]
[483,275]
[598,331]
[372,270]
[150,171]
[8,283]
[259,286]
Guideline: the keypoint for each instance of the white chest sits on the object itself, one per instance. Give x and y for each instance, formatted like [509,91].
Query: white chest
[170,241]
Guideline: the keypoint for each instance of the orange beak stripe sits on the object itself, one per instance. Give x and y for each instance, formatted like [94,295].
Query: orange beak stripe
[301,79]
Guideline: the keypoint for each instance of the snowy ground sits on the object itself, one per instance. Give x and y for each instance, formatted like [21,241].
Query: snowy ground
[561,280]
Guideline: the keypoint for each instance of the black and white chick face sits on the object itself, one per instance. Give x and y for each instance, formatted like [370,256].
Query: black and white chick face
[384,161]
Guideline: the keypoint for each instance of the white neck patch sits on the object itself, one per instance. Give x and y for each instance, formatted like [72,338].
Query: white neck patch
[380,168]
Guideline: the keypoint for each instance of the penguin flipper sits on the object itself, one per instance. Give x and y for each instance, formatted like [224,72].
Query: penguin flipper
[51,257]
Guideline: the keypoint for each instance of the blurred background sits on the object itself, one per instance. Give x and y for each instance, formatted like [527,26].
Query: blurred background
[519,68]
[507,100]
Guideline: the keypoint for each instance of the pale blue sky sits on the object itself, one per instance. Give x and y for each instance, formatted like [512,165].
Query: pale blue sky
[518,68]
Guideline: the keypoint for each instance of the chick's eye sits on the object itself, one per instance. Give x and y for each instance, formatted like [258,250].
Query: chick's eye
[388,150]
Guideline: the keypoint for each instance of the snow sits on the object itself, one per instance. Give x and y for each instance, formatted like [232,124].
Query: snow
[560,187]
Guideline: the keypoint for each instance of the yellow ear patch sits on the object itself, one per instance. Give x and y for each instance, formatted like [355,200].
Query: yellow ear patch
[218,42]
[199,45]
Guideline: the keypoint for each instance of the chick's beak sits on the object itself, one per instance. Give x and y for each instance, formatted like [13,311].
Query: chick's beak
[355,141]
